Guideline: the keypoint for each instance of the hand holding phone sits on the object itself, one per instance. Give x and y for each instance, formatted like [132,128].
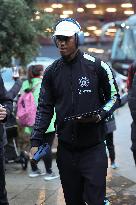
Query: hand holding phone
[41,152]
[15,74]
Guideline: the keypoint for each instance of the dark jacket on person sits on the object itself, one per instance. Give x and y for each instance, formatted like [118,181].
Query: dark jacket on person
[75,87]
[13,92]
[132,102]
[11,121]
[6,101]
[132,98]
[131,73]
[110,124]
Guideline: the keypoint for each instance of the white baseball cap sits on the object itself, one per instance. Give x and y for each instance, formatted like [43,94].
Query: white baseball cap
[66,28]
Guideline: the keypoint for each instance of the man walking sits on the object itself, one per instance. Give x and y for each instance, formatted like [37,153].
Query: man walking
[77,84]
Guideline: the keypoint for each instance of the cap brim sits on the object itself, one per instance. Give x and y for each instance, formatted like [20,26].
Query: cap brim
[64,33]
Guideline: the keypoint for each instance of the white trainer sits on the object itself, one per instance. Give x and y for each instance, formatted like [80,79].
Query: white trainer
[106,202]
[114,165]
[51,176]
[36,173]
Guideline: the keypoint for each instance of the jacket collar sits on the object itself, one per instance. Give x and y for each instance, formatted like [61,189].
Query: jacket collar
[74,60]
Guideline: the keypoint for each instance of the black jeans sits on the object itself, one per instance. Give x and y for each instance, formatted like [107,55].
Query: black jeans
[110,146]
[83,174]
[49,137]
[134,155]
[3,192]
[133,139]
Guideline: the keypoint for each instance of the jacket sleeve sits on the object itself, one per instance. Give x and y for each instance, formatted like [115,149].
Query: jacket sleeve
[109,89]
[5,99]
[12,93]
[45,110]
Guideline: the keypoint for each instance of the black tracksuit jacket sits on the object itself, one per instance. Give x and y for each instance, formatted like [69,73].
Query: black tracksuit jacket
[75,87]
[6,101]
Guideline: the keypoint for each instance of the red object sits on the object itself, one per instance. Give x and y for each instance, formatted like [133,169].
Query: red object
[131,73]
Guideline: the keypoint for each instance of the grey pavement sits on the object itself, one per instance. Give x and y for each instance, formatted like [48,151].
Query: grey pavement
[121,183]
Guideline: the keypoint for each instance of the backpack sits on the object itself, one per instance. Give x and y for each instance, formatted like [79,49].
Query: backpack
[26,108]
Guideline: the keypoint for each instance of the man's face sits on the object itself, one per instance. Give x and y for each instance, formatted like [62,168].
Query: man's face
[66,45]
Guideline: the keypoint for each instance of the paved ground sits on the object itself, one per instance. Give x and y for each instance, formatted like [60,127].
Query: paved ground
[121,183]
[23,190]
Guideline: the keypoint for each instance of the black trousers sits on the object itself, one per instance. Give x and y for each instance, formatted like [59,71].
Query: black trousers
[134,155]
[110,146]
[133,139]
[83,174]
[49,137]
[3,192]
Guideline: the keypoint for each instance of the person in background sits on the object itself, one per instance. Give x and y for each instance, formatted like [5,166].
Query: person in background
[5,110]
[35,75]
[75,84]
[110,123]
[12,94]
[131,85]
[131,73]
[110,128]
[48,138]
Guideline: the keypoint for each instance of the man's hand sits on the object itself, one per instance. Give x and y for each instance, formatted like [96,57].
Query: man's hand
[3,113]
[33,150]
[15,74]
